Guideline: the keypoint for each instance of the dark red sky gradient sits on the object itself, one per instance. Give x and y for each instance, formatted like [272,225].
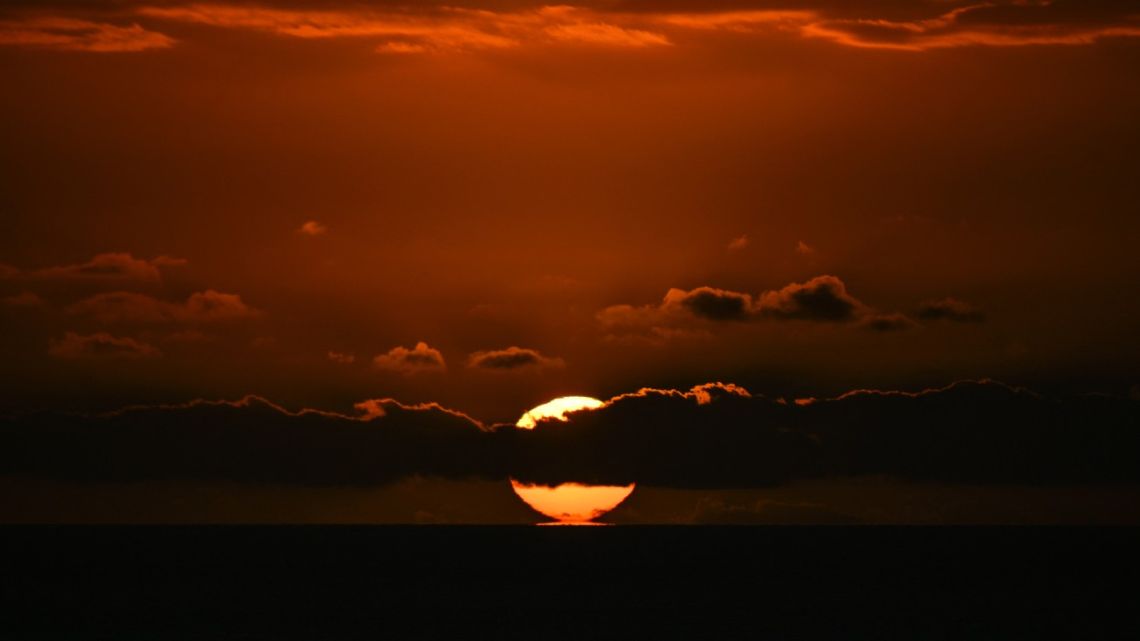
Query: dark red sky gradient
[488,205]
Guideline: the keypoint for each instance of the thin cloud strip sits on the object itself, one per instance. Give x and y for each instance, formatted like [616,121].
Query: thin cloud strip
[512,358]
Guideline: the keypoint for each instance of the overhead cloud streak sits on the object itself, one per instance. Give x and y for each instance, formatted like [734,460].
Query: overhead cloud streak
[434,28]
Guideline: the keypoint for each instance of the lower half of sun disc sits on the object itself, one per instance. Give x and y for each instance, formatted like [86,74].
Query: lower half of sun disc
[572,502]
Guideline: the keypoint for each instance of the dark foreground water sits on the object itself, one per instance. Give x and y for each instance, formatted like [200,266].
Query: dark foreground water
[568,583]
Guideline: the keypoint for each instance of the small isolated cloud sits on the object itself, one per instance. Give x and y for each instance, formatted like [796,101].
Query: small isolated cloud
[895,322]
[420,359]
[312,228]
[115,266]
[738,243]
[341,357]
[711,303]
[512,358]
[70,34]
[100,345]
[23,299]
[129,307]
[823,298]
[804,249]
[950,309]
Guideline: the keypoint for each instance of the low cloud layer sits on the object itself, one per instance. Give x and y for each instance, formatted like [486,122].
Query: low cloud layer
[711,436]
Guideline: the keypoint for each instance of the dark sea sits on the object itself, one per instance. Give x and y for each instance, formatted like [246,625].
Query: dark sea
[640,582]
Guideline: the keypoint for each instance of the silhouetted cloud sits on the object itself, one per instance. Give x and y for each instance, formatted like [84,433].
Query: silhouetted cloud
[418,360]
[100,345]
[970,432]
[823,298]
[512,358]
[950,309]
[711,303]
[103,267]
[714,435]
[129,307]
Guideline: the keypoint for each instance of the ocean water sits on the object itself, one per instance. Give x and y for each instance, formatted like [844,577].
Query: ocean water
[641,582]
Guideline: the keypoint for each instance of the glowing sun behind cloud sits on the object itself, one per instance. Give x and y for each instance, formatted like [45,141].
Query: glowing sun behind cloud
[568,502]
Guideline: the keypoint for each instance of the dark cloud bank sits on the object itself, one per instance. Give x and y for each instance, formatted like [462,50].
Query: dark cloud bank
[712,436]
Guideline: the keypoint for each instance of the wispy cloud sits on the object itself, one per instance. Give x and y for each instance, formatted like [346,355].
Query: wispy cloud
[115,266]
[71,34]
[130,307]
[100,345]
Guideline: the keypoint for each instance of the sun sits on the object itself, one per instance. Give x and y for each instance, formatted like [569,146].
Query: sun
[568,502]
[558,408]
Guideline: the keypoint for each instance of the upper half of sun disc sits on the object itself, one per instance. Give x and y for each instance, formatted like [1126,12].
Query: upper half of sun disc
[557,409]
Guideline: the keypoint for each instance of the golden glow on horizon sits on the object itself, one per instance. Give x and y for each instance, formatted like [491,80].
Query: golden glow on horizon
[568,502]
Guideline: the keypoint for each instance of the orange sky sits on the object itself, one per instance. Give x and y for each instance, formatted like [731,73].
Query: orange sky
[490,204]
